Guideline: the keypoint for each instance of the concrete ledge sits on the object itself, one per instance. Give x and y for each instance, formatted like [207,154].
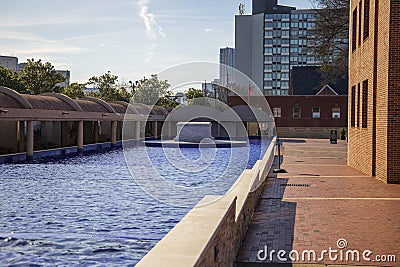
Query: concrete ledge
[12,158]
[212,232]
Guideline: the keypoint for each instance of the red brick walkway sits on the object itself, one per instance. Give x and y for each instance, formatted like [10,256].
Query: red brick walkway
[319,201]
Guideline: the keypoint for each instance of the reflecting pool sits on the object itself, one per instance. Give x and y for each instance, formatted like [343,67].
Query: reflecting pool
[88,210]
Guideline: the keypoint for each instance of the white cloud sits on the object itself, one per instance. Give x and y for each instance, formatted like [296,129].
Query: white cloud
[212,30]
[153,29]
[150,53]
[33,45]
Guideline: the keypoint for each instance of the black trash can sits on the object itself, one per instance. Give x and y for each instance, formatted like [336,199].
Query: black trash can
[333,138]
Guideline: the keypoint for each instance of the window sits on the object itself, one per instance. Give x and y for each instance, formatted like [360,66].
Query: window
[366,19]
[277,112]
[276,50]
[316,114]
[336,113]
[354,30]
[268,58]
[268,25]
[285,41]
[296,113]
[359,22]
[285,84]
[358,105]
[353,107]
[268,75]
[364,120]
[268,50]
[285,33]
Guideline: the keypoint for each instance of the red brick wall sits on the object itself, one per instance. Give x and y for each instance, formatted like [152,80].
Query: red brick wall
[306,103]
[375,149]
[394,95]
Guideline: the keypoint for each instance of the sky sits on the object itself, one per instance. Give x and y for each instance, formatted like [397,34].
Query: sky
[130,38]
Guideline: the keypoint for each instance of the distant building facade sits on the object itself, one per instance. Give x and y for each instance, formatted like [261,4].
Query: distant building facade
[271,41]
[227,65]
[9,62]
[374,88]
[21,66]
[303,116]
[67,75]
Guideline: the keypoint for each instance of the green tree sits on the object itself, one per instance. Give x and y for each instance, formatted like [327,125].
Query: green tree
[193,93]
[168,100]
[75,90]
[11,79]
[108,88]
[332,33]
[149,91]
[106,85]
[39,77]
[125,92]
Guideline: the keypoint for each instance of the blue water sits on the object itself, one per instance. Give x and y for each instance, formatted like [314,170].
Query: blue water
[88,210]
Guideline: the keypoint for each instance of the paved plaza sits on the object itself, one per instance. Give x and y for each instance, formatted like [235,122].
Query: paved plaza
[319,201]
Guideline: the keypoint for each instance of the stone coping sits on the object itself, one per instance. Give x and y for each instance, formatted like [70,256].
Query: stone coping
[210,232]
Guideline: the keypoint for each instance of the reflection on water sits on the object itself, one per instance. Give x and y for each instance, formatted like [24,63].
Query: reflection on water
[88,209]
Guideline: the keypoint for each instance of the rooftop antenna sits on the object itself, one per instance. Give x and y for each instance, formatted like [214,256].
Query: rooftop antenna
[242,10]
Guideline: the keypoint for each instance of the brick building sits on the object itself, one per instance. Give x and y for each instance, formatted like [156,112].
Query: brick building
[374,88]
[306,116]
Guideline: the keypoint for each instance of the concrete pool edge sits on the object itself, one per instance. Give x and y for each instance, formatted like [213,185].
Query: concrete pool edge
[212,232]
[63,151]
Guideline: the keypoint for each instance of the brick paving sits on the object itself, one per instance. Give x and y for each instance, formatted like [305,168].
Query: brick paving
[319,201]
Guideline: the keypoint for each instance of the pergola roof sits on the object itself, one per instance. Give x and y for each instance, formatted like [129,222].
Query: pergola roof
[59,102]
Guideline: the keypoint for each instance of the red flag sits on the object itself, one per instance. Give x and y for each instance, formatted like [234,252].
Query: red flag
[250,90]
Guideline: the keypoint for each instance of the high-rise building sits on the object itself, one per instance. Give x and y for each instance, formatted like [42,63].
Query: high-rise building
[271,41]
[227,64]
[9,62]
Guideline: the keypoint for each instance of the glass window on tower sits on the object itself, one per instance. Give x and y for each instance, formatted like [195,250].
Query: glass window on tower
[269,16]
[268,24]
